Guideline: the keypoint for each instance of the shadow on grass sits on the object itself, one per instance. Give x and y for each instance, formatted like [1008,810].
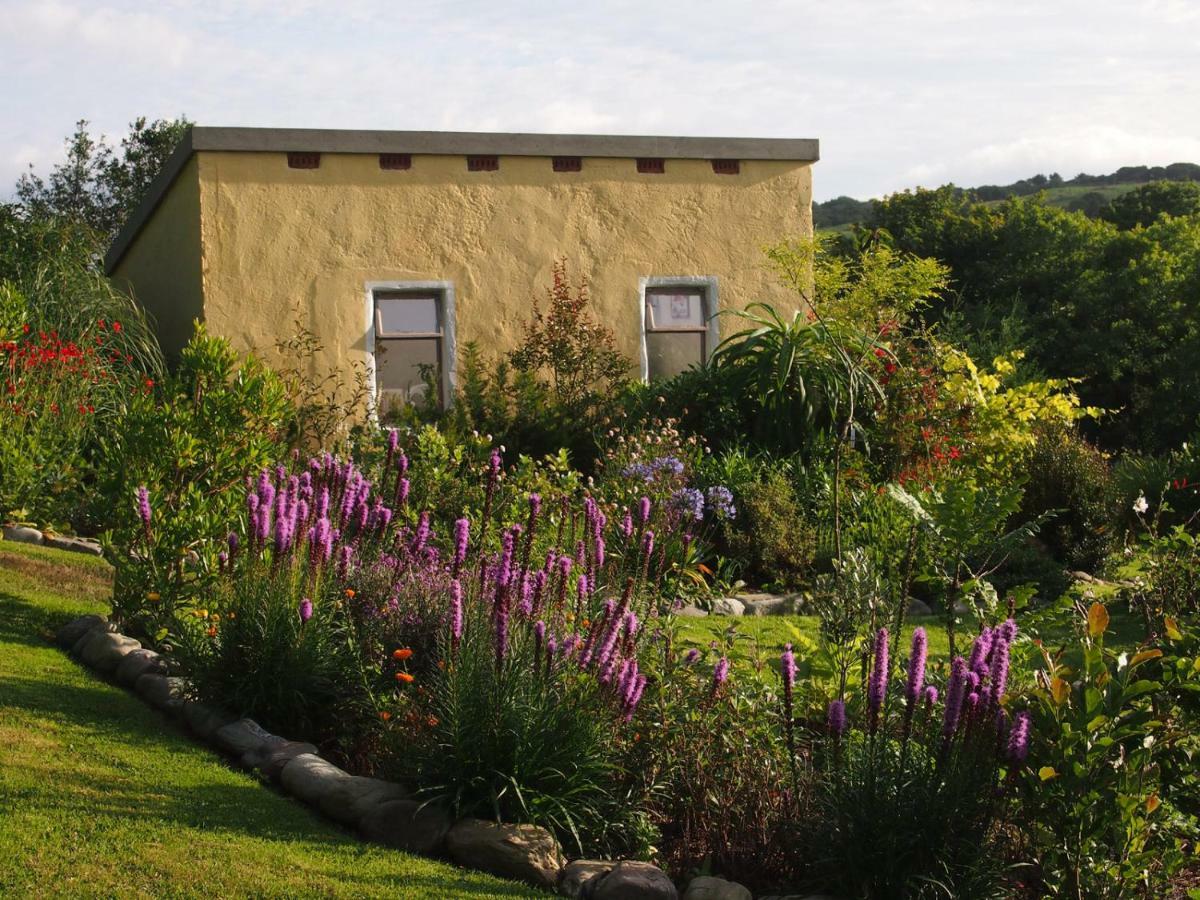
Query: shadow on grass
[96,754]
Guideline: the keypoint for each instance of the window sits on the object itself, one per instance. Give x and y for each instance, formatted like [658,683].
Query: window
[411,327]
[304,160]
[679,324]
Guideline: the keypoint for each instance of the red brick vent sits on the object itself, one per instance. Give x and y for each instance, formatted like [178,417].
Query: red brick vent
[483,163]
[395,161]
[304,160]
[727,166]
[653,166]
[568,164]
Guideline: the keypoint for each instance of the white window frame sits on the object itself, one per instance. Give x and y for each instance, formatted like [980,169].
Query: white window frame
[443,291]
[710,298]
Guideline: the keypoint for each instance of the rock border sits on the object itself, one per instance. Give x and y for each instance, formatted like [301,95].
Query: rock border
[24,534]
[377,811]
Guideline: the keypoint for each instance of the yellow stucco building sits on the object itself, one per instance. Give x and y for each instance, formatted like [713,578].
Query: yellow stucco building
[396,248]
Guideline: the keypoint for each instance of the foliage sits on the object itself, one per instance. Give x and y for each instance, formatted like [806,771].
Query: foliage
[97,186]
[208,424]
[1143,206]
[774,538]
[1107,731]
[912,802]
[324,402]
[74,353]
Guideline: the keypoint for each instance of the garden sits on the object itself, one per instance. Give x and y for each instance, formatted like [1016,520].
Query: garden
[851,610]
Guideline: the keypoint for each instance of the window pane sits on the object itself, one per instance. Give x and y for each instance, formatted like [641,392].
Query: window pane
[398,370]
[669,354]
[404,314]
[673,308]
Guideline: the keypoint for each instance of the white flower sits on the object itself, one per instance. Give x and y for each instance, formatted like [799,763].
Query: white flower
[1140,505]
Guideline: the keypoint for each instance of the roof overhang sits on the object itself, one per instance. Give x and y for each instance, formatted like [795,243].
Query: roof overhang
[446,143]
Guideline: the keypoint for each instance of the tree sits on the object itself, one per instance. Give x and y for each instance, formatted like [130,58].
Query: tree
[98,186]
[1143,205]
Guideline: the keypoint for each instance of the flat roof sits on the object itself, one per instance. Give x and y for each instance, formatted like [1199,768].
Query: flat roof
[446,143]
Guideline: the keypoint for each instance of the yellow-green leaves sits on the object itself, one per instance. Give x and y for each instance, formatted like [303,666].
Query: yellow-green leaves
[1097,620]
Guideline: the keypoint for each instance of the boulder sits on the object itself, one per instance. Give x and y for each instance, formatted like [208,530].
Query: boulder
[104,650]
[162,692]
[629,880]
[310,778]
[728,606]
[706,887]
[406,825]
[22,534]
[138,663]
[204,721]
[575,875]
[237,738]
[272,757]
[691,612]
[524,852]
[256,756]
[69,634]
[73,544]
[768,606]
[352,798]
[918,609]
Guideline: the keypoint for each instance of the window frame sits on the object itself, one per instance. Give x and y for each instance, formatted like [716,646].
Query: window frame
[710,304]
[443,294]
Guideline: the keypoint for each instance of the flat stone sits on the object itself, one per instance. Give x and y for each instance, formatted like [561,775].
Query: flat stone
[104,650]
[238,738]
[407,825]
[22,534]
[576,874]
[69,634]
[162,692]
[691,612]
[73,544]
[309,778]
[204,721]
[769,606]
[138,663]
[707,887]
[256,756]
[352,798]
[275,756]
[630,880]
[918,609]
[728,606]
[524,852]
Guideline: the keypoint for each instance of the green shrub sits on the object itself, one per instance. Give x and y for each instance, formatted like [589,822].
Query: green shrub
[773,534]
[1072,480]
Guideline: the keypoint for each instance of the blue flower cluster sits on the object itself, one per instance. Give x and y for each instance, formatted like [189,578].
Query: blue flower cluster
[720,502]
[649,471]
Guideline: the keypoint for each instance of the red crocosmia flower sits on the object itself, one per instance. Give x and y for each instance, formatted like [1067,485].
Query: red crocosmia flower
[117,327]
[889,367]
[82,409]
[25,329]
[955,453]
[880,352]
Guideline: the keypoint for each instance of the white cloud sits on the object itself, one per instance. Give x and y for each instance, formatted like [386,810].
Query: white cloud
[898,91]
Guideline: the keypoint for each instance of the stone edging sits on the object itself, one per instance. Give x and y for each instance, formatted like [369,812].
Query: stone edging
[378,811]
[23,534]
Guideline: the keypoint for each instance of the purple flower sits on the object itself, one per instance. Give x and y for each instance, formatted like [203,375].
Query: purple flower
[456,613]
[720,673]
[877,686]
[393,441]
[999,672]
[539,635]
[916,666]
[222,560]
[402,491]
[143,506]
[720,501]
[422,536]
[306,609]
[787,669]
[954,696]
[627,525]
[931,695]
[1018,739]
[462,534]
[635,697]
[688,503]
[836,719]
[1008,630]
[598,552]
[691,657]
[648,543]
[980,650]
[232,540]
[644,510]
[639,470]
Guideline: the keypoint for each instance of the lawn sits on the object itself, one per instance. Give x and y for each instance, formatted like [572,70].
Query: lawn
[102,796]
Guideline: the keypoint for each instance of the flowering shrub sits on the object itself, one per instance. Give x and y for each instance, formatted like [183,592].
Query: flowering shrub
[911,793]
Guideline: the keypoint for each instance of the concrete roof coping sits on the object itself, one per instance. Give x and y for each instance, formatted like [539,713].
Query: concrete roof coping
[446,143]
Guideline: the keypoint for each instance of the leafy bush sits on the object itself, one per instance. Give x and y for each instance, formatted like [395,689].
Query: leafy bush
[1106,731]
[189,444]
[911,803]
[773,536]
[1071,480]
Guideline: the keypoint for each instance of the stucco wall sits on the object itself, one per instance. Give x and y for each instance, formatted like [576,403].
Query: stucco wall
[162,266]
[284,244]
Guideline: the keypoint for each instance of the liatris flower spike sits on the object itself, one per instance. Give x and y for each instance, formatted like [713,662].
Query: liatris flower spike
[836,719]
[1018,739]
[143,508]
[916,666]
[306,609]
[877,686]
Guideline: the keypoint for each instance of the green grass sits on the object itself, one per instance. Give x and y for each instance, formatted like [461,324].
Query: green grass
[102,796]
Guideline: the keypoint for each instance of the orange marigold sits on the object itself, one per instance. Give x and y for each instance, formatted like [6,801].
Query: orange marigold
[404,677]
[402,654]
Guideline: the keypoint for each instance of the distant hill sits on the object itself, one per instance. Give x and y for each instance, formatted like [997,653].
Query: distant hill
[1084,193]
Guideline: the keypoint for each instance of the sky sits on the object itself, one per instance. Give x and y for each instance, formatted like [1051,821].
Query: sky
[900,94]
